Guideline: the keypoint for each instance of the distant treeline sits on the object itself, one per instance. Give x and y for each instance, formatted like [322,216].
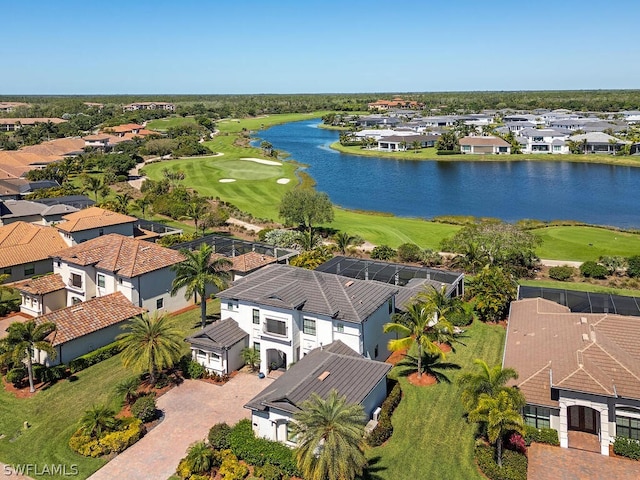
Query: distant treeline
[249,105]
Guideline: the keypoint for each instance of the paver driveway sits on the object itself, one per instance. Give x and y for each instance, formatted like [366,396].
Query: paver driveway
[190,410]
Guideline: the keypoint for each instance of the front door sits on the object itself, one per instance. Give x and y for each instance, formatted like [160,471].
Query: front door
[583,419]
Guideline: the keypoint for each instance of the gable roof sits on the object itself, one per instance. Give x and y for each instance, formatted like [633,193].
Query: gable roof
[247,262]
[57,147]
[126,256]
[218,336]
[484,141]
[92,217]
[22,242]
[335,366]
[597,137]
[90,316]
[41,285]
[586,352]
[335,296]
[26,208]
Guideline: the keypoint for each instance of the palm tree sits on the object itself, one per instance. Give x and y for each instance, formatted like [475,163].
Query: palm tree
[500,413]
[488,381]
[142,204]
[151,343]
[128,389]
[96,420]
[195,211]
[430,364]
[330,438]
[23,339]
[121,202]
[343,241]
[197,272]
[251,357]
[416,145]
[200,458]
[94,184]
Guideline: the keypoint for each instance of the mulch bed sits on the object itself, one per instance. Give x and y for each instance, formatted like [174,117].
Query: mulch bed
[396,357]
[423,381]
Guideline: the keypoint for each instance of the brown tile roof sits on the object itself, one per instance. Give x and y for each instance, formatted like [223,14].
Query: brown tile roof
[23,242]
[129,127]
[30,121]
[97,137]
[247,262]
[92,217]
[483,141]
[90,316]
[16,163]
[57,147]
[128,257]
[41,285]
[593,353]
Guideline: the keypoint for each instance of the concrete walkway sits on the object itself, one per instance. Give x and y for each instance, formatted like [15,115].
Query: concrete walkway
[190,411]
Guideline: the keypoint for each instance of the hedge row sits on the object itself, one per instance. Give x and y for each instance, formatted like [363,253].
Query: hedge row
[97,356]
[627,447]
[514,464]
[130,432]
[541,435]
[384,429]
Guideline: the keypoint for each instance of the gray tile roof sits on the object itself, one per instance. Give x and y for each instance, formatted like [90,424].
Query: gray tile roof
[283,286]
[350,374]
[218,336]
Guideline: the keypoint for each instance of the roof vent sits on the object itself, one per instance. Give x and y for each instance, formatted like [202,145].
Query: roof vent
[583,319]
[585,337]
[77,309]
[324,375]
[349,283]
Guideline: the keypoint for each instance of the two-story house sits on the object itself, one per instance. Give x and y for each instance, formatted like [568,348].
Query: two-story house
[545,140]
[94,222]
[114,263]
[289,311]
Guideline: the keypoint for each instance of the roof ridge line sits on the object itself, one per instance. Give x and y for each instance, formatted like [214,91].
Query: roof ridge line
[547,365]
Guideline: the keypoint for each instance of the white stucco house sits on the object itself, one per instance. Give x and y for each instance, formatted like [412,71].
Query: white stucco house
[42,295]
[579,372]
[140,270]
[93,222]
[484,145]
[333,367]
[218,347]
[545,140]
[289,311]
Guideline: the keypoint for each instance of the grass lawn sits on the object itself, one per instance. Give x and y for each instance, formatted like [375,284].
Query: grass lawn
[54,413]
[431,439]
[585,243]
[163,124]
[580,287]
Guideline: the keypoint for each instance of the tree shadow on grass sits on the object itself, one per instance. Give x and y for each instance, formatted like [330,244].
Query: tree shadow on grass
[373,469]
[431,365]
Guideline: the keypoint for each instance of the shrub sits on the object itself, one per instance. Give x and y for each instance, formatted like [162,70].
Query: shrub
[16,375]
[259,451]
[514,465]
[144,408]
[517,443]
[195,370]
[410,252]
[49,374]
[540,435]
[384,429]
[383,252]
[627,447]
[633,266]
[592,269]
[94,357]
[268,472]
[219,436]
[129,432]
[562,273]
[231,468]
[263,233]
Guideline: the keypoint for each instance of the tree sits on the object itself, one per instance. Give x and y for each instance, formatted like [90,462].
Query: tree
[312,259]
[493,289]
[196,210]
[23,339]
[121,202]
[251,357]
[306,207]
[151,343]
[94,185]
[448,141]
[416,145]
[128,389]
[97,420]
[266,147]
[142,204]
[501,415]
[200,458]
[197,272]
[343,241]
[330,438]
[487,381]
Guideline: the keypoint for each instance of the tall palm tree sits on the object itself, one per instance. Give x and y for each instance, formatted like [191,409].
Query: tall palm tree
[23,339]
[416,326]
[500,413]
[416,146]
[487,381]
[343,241]
[94,185]
[142,204]
[195,211]
[121,202]
[330,438]
[197,272]
[151,343]
[96,420]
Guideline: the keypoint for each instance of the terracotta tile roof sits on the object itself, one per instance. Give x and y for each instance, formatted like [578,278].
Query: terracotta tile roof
[92,217]
[483,141]
[129,127]
[90,316]
[97,137]
[593,353]
[247,262]
[57,147]
[41,285]
[23,242]
[128,257]
[30,121]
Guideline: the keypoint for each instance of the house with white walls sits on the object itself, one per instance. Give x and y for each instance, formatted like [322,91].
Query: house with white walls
[544,140]
[42,295]
[93,222]
[218,347]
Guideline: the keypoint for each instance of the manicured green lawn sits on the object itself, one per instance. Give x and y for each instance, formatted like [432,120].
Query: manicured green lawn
[53,414]
[431,438]
[163,124]
[585,243]
[580,287]
[235,125]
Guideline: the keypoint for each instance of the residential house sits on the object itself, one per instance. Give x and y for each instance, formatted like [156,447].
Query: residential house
[332,367]
[289,311]
[484,145]
[579,372]
[396,143]
[397,103]
[42,295]
[94,222]
[132,107]
[598,142]
[16,163]
[246,263]
[545,140]
[25,250]
[218,347]
[80,329]
[12,211]
[17,188]
[59,147]
[140,270]
[12,124]
[7,107]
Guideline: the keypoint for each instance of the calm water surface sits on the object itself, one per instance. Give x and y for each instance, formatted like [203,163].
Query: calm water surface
[597,194]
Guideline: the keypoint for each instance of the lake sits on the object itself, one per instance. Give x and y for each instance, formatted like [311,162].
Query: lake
[591,193]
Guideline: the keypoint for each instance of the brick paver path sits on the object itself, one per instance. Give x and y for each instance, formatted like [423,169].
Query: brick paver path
[190,410]
[554,463]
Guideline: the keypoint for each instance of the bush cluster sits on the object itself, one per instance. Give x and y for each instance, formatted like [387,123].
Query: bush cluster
[561,273]
[514,464]
[260,451]
[219,436]
[633,266]
[44,374]
[144,408]
[627,447]
[592,269]
[540,435]
[16,376]
[97,356]
[410,252]
[231,468]
[130,431]
[384,429]
[383,252]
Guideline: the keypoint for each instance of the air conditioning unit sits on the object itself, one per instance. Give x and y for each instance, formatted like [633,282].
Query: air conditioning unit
[376,413]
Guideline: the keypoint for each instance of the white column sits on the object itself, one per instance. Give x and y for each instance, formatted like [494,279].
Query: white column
[564,421]
[264,367]
[604,432]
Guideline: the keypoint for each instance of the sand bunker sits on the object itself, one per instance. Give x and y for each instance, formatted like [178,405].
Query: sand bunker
[260,160]
[284,181]
[227,180]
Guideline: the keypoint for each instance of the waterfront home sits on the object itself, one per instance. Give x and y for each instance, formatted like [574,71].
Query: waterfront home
[544,140]
[484,145]
[598,142]
[400,143]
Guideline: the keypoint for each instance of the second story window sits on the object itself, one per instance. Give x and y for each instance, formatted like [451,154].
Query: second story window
[76,280]
[277,327]
[309,326]
[256,316]
[29,269]
[101,280]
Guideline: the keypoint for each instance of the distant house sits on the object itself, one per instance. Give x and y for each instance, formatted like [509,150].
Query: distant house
[132,107]
[246,263]
[12,211]
[59,147]
[547,140]
[598,142]
[86,327]
[218,347]
[94,222]
[42,295]
[332,367]
[12,124]
[397,143]
[484,145]
[17,188]
[396,103]
[7,107]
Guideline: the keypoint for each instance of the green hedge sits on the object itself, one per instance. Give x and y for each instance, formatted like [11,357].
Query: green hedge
[260,451]
[514,464]
[219,436]
[129,432]
[627,447]
[561,273]
[384,429]
[97,356]
[592,269]
[541,435]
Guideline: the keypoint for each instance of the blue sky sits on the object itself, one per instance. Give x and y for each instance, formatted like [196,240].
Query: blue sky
[308,46]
